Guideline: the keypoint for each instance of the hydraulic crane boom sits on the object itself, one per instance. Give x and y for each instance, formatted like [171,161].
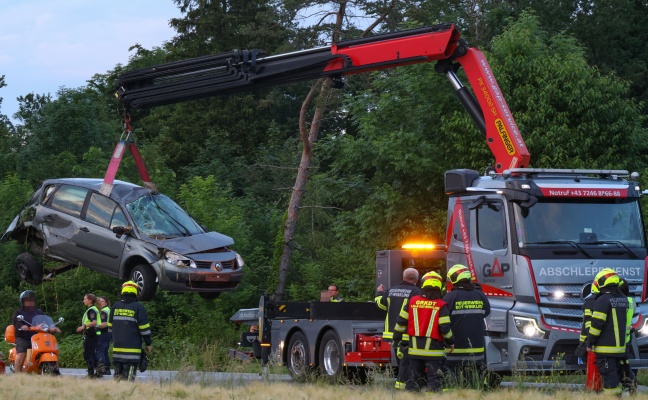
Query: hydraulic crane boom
[241,70]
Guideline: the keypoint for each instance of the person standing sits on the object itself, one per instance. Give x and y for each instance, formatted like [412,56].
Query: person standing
[90,328]
[593,381]
[394,301]
[607,333]
[334,296]
[103,342]
[426,320]
[129,326]
[468,307]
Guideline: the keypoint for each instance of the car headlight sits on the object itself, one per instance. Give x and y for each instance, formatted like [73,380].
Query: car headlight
[528,327]
[239,260]
[643,331]
[179,260]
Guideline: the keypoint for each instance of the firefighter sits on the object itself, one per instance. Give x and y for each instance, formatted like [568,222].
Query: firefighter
[129,326]
[628,377]
[394,302]
[426,320]
[607,332]
[468,307]
[593,377]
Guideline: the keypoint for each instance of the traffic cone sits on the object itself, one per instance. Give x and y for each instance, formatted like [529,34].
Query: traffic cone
[593,377]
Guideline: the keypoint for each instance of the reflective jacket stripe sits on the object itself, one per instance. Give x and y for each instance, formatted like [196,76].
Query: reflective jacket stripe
[467,351]
[617,339]
[426,353]
[609,349]
[474,311]
[599,315]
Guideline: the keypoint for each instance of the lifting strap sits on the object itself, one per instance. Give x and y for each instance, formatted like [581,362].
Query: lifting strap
[118,153]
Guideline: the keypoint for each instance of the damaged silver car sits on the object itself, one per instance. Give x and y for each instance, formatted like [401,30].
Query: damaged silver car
[135,233]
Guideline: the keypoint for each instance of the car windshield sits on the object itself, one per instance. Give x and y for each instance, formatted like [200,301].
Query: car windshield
[597,221]
[157,216]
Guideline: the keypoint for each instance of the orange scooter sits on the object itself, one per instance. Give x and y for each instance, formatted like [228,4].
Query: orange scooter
[42,358]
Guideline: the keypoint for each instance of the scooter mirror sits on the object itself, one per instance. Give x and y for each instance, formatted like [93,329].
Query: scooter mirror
[60,320]
[20,318]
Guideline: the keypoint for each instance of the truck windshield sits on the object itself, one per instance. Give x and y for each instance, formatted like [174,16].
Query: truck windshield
[580,221]
[158,216]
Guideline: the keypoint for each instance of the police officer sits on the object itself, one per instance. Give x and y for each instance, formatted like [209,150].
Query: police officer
[394,302]
[103,342]
[90,328]
[426,320]
[129,326]
[607,333]
[468,307]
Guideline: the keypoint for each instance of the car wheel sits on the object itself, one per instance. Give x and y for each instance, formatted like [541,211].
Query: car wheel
[144,276]
[29,269]
[331,359]
[209,295]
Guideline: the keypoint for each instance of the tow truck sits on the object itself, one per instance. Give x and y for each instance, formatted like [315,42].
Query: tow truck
[532,238]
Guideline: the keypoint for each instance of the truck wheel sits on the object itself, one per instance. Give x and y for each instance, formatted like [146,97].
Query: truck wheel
[29,269]
[331,356]
[144,276]
[298,359]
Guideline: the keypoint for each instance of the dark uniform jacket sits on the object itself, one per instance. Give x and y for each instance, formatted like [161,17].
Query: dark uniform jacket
[587,316]
[607,333]
[427,322]
[468,308]
[394,301]
[129,325]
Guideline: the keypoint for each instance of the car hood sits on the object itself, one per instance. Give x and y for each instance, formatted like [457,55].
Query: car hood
[195,243]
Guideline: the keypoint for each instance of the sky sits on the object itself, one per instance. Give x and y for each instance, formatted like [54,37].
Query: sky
[48,44]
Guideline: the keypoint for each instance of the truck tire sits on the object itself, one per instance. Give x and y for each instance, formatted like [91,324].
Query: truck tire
[145,278]
[298,360]
[29,269]
[331,356]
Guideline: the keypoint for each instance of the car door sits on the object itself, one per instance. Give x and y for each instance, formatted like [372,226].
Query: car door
[59,218]
[98,247]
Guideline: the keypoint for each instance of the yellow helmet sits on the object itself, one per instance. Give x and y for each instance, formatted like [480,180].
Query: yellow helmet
[432,282]
[605,277]
[458,272]
[130,287]
[431,275]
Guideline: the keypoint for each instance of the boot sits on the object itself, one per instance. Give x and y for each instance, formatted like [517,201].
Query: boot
[91,374]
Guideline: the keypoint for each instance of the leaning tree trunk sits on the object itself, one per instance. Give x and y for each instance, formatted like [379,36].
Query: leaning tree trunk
[308,138]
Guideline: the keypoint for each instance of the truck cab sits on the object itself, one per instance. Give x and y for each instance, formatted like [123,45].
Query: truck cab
[534,239]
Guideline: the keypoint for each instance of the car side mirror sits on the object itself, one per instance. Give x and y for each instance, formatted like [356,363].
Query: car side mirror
[121,230]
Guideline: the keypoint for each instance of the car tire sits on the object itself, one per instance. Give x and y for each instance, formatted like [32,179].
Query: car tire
[209,295]
[145,278]
[29,269]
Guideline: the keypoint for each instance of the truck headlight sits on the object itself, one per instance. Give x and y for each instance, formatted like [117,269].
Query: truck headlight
[528,327]
[643,331]
[179,260]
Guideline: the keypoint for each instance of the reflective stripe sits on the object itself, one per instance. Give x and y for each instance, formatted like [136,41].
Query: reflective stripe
[609,349]
[468,351]
[146,332]
[587,313]
[145,326]
[473,311]
[404,314]
[428,332]
[134,357]
[125,350]
[416,322]
[617,390]
[448,335]
[444,320]
[377,301]
[595,332]
[615,320]
[600,315]
[388,335]
[399,328]
[427,353]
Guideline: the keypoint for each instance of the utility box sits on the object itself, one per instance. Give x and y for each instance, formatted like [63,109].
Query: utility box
[390,264]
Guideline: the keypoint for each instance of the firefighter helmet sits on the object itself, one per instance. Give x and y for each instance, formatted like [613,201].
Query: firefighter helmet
[431,275]
[130,287]
[432,282]
[605,277]
[458,273]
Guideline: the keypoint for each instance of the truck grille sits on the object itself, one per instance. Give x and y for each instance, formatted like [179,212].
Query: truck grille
[566,311]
